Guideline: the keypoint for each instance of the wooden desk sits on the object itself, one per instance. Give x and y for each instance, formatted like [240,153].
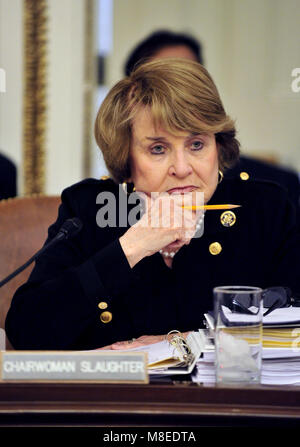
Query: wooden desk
[157,404]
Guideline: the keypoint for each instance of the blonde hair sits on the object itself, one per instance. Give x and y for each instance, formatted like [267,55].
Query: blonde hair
[182,97]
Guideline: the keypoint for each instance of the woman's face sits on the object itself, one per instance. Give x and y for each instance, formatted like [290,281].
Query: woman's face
[163,162]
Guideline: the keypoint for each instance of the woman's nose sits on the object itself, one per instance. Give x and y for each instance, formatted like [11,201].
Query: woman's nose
[180,166]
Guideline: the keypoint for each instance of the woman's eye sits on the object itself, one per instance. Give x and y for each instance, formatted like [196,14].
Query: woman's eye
[157,149]
[196,145]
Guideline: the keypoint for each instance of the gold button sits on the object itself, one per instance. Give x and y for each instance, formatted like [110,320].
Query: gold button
[244,175]
[228,218]
[106,317]
[104,177]
[215,248]
[102,305]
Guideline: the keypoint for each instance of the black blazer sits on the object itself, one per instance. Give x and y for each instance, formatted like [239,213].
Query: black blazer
[58,307]
[257,169]
[8,178]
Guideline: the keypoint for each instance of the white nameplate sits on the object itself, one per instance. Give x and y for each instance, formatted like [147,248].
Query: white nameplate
[74,366]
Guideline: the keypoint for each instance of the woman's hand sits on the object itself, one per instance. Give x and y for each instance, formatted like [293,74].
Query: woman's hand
[137,342]
[144,340]
[164,222]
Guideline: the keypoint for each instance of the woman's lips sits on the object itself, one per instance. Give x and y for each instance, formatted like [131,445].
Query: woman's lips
[183,190]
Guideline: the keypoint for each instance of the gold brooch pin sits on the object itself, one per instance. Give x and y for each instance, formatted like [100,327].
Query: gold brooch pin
[228,218]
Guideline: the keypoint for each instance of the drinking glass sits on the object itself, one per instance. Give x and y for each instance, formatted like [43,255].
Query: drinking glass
[238,334]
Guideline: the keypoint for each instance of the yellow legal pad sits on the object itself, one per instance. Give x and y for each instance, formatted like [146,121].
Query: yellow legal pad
[281,338]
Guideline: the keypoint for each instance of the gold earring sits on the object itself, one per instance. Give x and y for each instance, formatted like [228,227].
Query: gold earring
[221,175]
[124,186]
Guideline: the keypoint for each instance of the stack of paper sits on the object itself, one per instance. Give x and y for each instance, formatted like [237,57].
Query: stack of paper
[282,316]
[280,366]
[281,327]
[280,354]
[281,337]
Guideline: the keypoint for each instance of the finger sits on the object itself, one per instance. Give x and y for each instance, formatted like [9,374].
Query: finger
[123,345]
[185,334]
[194,199]
[161,211]
[120,345]
[103,347]
[146,201]
[150,339]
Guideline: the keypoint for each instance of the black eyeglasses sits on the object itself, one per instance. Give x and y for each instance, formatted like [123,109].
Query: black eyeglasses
[273,298]
[276,297]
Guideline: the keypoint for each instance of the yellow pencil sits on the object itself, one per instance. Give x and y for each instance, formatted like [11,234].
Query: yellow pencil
[222,206]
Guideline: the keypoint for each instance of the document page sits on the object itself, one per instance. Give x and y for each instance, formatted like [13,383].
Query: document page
[158,352]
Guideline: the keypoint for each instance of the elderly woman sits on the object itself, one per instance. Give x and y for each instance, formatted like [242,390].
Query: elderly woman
[162,130]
